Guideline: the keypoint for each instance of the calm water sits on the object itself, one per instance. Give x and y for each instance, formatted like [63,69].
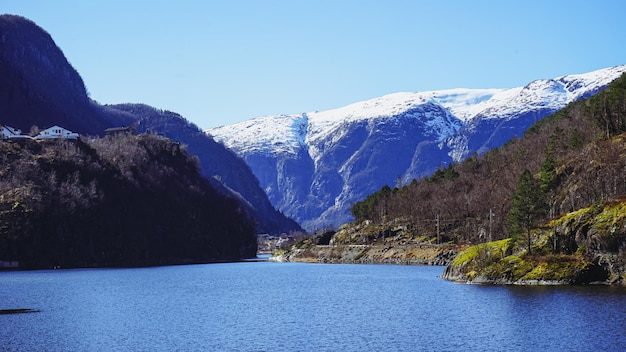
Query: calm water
[300,307]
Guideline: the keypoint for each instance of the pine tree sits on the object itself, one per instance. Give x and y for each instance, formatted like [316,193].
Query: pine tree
[527,206]
[548,183]
[548,179]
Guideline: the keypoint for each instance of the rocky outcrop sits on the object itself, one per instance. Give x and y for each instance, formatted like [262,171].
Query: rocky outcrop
[369,243]
[370,254]
[582,247]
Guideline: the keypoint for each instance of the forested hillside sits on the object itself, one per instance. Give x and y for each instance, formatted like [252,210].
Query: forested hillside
[576,156]
[222,167]
[114,201]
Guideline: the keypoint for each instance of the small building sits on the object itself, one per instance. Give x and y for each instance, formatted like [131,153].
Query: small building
[7,132]
[113,131]
[56,132]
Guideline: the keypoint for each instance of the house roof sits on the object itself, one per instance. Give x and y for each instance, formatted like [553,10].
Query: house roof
[117,129]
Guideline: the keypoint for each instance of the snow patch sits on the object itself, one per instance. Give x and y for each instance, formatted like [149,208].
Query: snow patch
[277,134]
[289,133]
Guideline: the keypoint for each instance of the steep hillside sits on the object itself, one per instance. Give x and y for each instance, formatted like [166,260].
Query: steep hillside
[575,159]
[38,87]
[223,168]
[116,201]
[313,166]
[570,149]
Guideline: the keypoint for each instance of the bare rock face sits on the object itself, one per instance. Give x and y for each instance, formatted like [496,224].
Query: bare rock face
[314,165]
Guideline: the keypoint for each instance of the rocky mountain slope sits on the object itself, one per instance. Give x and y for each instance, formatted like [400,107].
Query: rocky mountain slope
[38,87]
[314,165]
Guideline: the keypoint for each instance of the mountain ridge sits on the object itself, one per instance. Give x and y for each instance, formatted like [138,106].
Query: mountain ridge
[341,146]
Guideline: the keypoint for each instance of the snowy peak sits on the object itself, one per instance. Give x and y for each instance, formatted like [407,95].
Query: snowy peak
[463,103]
[581,85]
[444,112]
[268,135]
[314,165]
[545,94]
[289,133]
[419,106]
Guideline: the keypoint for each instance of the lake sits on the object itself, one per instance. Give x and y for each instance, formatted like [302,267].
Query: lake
[264,306]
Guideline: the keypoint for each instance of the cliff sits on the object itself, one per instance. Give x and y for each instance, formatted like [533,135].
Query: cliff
[582,247]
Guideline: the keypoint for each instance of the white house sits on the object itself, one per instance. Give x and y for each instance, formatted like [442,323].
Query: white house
[7,132]
[56,132]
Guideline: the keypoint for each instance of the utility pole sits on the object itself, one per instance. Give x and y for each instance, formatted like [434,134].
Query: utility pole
[437,220]
[490,222]
[383,215]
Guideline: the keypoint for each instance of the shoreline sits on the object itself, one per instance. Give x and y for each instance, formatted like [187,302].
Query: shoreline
[427,254]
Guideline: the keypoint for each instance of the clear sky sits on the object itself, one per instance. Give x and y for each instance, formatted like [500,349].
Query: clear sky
[221,62]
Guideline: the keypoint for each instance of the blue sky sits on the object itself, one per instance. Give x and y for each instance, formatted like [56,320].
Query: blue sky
[221,62]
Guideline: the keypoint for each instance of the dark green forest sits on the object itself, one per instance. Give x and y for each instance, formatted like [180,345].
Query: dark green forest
[572,159]
[115,201]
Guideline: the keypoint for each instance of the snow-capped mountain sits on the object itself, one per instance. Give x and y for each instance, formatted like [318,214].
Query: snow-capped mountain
[314,165]
[510,112]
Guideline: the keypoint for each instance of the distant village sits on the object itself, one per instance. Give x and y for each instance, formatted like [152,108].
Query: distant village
[54,132]
[10,133]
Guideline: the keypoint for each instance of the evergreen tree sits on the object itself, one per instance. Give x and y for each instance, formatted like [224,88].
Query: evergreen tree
[548,179]
[366,209]
[527,206]
[548,183]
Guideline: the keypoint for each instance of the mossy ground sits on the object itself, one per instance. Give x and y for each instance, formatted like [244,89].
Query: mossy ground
[521,268]
[486,251]
[508,261]
[561,251]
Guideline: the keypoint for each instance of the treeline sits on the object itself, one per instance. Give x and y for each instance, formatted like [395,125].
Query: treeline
[114,201]
[576,157]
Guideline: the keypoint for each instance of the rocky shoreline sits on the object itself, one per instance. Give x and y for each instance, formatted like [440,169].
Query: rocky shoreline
[538,270]
[439,255]
[503,263]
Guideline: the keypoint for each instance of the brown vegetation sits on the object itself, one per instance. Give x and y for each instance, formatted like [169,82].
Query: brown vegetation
[119,200]
[471,201]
